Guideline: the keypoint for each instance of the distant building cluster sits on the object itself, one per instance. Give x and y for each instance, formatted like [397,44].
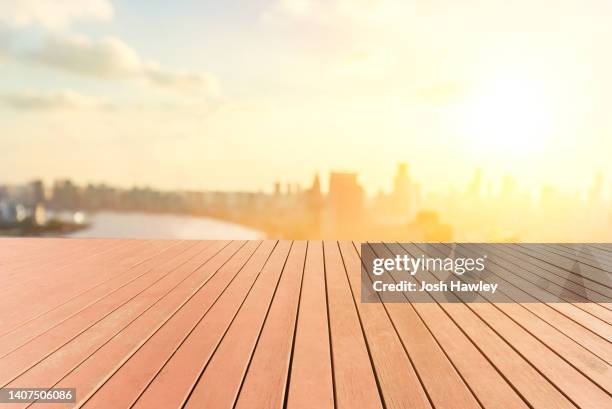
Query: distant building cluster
[476,213]
[22,204]
[344,212]
[507,212]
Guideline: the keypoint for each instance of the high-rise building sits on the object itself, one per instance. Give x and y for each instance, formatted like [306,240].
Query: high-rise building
[345,203]
[37,193]
[66,195]
[405,195]
[401,181]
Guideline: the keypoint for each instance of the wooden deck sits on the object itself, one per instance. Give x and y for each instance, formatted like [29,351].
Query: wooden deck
[267,324]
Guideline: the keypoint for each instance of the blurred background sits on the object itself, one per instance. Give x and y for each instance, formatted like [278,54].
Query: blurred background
[349,119]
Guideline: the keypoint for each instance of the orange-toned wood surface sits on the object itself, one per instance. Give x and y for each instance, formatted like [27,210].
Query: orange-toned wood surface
[280,324]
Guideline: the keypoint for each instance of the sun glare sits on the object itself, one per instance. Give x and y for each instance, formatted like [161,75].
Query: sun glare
[509,114]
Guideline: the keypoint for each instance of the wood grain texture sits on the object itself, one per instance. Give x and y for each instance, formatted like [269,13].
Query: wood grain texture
[275,325]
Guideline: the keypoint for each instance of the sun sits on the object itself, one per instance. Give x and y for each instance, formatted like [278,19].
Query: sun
[509,114]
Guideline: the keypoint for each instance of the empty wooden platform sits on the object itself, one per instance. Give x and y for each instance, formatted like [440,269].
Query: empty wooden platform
[279,324]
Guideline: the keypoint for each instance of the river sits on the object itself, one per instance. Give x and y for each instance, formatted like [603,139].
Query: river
[156,226]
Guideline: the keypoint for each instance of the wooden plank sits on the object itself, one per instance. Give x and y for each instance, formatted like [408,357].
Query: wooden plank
[538,276]
[590,365]
[265,381]
[582,391]
[172,386]
[15,265]
[581,312]
[220,383]
[282,326]
[311,383]
[592,255]
[22,309]
[103,317]
[65,284]
[17,259]
[525,379]
[24,249]
[399,382]
[39,273]
[574,267]
[451,367]
[18,248]
[578,254]
[159,299]
[33,268]
[552,314]
[105,362]
[205,316]
[36,326]
[606,247]
[545,270]
[354,380]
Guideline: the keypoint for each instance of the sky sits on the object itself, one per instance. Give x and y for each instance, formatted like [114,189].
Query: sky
[235,95]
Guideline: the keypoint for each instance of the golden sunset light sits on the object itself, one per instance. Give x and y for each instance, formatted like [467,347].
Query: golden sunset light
[280,90]
[509,114]
[295,204]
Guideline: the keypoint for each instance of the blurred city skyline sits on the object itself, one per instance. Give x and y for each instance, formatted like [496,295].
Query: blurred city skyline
[473,212]
[478,181]
[202,95]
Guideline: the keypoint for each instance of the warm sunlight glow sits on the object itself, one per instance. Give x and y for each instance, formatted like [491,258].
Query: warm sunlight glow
[509,114]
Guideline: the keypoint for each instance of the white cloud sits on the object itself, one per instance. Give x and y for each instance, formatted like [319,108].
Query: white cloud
[181,80]
[52,13]
[62,100]
[109,57]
